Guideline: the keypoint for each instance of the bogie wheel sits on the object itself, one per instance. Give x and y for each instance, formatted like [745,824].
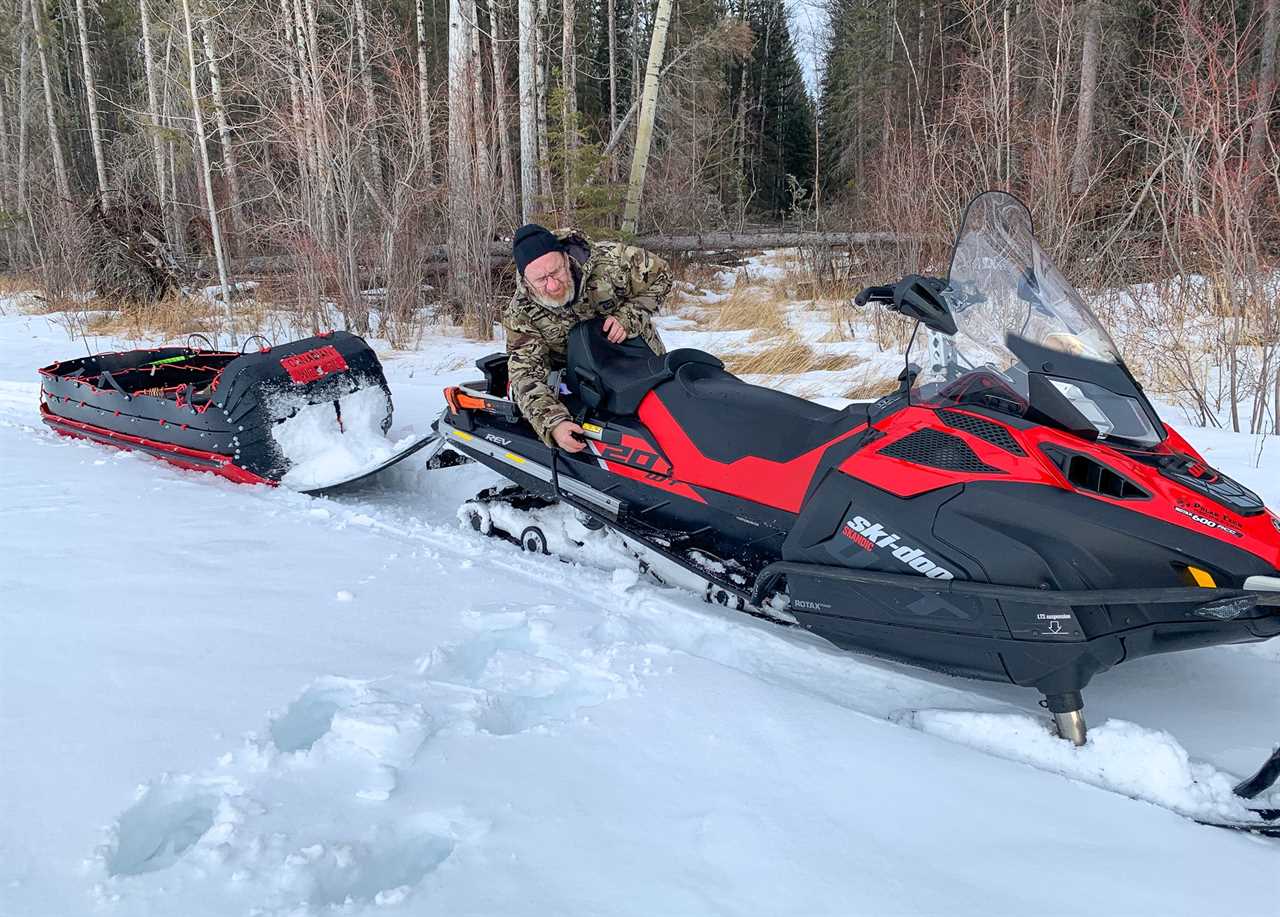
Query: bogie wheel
[534,541]
[718,595]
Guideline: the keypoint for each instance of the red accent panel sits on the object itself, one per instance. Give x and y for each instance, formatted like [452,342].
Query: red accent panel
[1170,502]
[907,479]
[176,455]
[778,484]
[620,460]
[313,364]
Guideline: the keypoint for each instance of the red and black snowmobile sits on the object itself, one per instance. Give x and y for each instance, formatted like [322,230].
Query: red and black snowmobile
[1017,511]
[218,411]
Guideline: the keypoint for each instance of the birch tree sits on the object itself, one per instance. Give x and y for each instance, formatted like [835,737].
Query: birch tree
[366,88]
[203,150]
[1088,89]
[224,125]
[50,102]
[612,28]
[648,109]
[528,111]
[424,104]
[91,96]
[153,106]
[461,159]
[24,84]
[500,110]
[568,104]
[543,71]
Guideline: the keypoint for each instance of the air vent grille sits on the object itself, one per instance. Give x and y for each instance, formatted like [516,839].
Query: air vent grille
[983,429]
[1088,474]
[938,450]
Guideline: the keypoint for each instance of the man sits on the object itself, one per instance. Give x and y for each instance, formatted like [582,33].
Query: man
[563,278]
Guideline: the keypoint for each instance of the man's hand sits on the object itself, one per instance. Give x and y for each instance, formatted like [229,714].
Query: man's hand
[569,436]
[613,330]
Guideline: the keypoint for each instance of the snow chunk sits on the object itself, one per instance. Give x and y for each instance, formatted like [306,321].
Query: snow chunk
[1122,757]
[322,452]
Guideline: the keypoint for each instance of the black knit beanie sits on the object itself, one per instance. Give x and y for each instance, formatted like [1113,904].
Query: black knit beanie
[531,242]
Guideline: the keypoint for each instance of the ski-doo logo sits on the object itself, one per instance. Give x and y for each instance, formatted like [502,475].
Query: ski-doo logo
[872,535]
[1208,523]
[313,364]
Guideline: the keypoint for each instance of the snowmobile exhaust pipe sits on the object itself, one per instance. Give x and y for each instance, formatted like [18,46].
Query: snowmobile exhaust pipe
[1068,716]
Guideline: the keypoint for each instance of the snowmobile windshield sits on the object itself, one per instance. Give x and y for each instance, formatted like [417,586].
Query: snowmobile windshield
[1026,343]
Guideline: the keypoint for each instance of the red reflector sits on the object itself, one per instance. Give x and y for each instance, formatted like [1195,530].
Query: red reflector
[314,364]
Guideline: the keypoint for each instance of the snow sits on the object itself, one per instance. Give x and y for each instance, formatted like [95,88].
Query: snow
[323,450]
[218,699]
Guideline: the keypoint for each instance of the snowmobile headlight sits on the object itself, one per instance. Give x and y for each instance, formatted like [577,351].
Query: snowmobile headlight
[1109,413]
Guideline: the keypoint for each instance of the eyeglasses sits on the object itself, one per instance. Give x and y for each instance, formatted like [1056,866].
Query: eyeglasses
[540,280]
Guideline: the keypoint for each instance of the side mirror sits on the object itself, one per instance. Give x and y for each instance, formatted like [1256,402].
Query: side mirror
[921,298]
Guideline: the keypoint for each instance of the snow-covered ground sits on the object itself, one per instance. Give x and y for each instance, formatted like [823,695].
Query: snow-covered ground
[227,700]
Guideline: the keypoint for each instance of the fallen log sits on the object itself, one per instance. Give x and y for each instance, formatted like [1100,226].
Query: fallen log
[751,240]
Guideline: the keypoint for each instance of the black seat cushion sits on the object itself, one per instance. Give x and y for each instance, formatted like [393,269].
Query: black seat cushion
[615,377]
[728,419]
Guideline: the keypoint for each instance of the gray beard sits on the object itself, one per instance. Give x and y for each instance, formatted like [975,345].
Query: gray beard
[549,302]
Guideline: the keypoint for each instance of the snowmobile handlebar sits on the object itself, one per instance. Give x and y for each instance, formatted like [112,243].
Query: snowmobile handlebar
[882,294]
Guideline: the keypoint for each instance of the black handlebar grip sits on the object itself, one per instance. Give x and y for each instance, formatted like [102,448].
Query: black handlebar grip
[879,294]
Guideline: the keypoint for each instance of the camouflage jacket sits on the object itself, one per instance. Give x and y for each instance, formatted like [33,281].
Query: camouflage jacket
[610,278]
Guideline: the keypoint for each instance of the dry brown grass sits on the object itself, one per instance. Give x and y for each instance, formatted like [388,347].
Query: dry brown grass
[12,284]
[751,308]
[787,356]
[167,318]
[867,384]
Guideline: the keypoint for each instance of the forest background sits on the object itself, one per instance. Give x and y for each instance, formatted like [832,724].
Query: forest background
[374,155]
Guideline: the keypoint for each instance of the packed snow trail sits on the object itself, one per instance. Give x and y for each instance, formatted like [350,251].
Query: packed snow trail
[439,723]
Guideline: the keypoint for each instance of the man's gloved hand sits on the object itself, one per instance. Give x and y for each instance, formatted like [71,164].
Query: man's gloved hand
[569,436]
[614,331]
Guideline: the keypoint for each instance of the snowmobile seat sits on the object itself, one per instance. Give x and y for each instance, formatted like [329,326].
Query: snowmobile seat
[727,419]
[496,377]
[614,378]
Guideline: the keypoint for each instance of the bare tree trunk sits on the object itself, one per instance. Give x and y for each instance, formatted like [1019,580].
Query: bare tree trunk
[370,102]
[461,157]
[198,119]
[5,133]
[171,156]
[1266,91]
[499,60]
[528,111]
[1088,89]
[91,95]
[648,109]
[50,108]
[153,105]
[224,129]
[424,103]
[24,86]
[569,105]
[480,121]
[611,26]
[544,67]
[295,81]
